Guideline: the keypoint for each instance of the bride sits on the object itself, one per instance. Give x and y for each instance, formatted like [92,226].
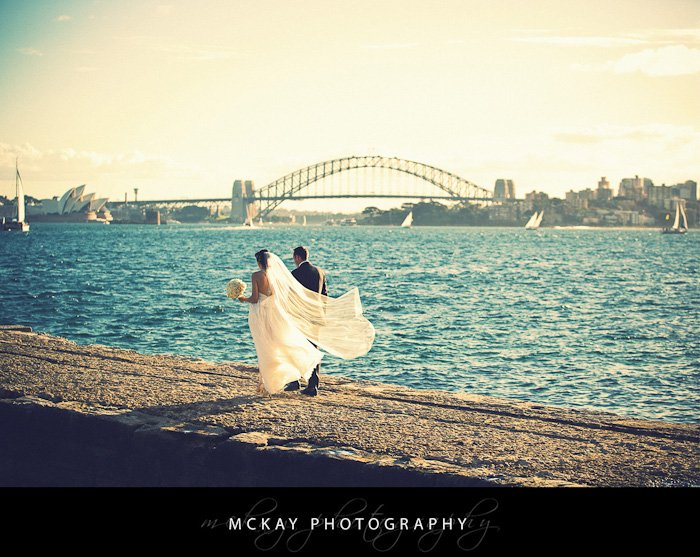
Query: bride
[285,319]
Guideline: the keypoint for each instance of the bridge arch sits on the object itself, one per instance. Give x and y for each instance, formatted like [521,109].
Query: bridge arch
[287,187]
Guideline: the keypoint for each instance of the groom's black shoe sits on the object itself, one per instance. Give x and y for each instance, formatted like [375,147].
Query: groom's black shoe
[293,386]
[312,388]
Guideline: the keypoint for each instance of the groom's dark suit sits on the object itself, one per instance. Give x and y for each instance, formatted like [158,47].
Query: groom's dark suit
[312,278]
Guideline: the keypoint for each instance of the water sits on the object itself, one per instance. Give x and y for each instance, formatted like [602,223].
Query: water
[598,319]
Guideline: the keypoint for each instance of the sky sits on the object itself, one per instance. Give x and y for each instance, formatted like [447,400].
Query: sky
[180,98]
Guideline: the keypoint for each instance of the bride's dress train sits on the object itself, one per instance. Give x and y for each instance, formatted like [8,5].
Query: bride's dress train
[284,354]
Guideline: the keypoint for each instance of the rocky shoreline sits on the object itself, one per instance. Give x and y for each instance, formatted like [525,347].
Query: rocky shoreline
[93,415]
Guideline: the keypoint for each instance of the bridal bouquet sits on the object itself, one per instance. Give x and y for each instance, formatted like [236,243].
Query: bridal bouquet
[234,288]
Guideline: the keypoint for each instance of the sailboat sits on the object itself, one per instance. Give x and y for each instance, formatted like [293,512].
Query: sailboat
[535,221]
[304,220]
[408,221]
[676,229]
[18,224]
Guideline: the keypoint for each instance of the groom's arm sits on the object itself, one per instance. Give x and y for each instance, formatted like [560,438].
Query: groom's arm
[253,298]
[322,277]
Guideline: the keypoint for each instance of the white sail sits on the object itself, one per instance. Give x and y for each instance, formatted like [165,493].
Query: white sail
[677,219]
[539,219]
[685,220]
[408,221]
[531,223]
[304,220]
[20,197]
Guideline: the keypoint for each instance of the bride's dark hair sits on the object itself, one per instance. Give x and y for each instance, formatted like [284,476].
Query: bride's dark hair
[262,257]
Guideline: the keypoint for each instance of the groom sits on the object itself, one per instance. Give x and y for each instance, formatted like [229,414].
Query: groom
[312,278]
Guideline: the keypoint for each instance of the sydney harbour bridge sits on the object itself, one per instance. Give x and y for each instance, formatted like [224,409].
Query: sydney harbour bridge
[319,181]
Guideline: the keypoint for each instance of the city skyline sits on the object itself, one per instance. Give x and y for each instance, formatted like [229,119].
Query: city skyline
[180,101]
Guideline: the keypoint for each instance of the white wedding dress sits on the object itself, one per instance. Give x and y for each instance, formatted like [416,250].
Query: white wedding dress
[284,354]
[285,323]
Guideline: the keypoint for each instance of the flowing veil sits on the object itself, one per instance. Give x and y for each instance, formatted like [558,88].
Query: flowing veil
[335,325]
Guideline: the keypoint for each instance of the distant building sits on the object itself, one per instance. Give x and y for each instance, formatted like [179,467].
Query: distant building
[505,213]
[631,188]
[588,194]
[73,206]
[688,190]
[536,200]
[504,189]
[574,200]
[659,194]
[604,191]
[663,195]
[628,218]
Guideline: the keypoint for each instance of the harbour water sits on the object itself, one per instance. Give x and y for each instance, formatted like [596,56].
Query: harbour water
[596,319]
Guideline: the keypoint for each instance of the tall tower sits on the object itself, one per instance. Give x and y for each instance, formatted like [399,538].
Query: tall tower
[604,191]
[499,190]
[504,189]
[238,213]
[510,189]
[242,206]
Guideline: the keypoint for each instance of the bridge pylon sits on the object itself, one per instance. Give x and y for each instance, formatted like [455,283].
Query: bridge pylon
[243,204]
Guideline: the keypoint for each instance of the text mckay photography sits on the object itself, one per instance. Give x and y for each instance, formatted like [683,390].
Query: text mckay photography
[267,526]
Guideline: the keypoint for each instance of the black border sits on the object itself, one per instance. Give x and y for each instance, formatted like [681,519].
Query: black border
[563,520]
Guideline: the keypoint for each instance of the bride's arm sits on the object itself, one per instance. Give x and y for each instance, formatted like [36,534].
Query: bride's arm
[253,298]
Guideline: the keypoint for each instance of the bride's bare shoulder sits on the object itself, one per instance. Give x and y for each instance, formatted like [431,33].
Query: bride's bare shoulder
[260,277]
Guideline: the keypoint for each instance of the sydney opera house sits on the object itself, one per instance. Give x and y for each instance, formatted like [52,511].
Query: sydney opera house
[73,206]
